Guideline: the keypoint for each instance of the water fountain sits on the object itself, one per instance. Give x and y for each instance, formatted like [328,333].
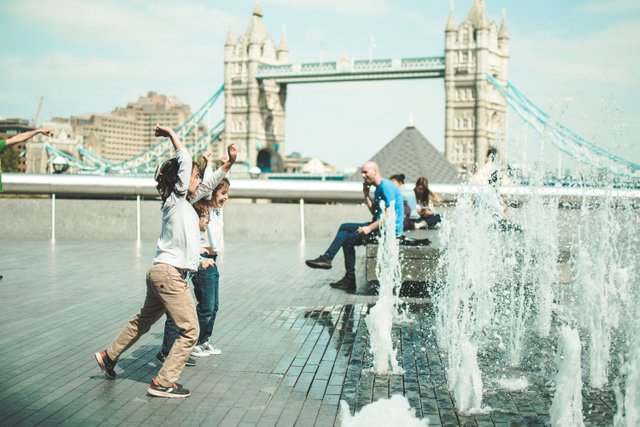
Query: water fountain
[497,299]
[500,306]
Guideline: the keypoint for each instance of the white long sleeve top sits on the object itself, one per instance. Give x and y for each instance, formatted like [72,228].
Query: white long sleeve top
[212,238]
[210,181]
[179,241]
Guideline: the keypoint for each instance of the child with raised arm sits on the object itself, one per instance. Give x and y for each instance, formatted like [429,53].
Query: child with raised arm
[206,279]
[206,282]
[167,289]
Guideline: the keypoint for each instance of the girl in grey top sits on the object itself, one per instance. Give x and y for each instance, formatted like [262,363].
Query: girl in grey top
[167,289]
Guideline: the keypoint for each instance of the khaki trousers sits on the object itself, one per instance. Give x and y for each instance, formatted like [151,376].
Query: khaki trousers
[167,292]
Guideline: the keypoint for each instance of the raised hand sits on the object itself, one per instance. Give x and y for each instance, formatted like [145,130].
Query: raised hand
[232,151]
[163,131]
[208,156]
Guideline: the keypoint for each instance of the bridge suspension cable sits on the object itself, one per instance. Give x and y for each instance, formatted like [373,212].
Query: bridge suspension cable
[561,137]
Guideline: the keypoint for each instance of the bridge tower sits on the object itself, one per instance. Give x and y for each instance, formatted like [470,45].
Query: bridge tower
[254,110]
[475,117]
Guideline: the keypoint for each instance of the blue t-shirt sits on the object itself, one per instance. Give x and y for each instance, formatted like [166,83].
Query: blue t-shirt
[389,192]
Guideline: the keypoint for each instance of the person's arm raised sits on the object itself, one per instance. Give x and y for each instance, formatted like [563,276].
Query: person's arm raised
[185,163]
[232,155]
[167,132]
[25,136]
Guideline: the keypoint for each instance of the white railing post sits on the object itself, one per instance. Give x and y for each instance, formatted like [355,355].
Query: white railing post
[53,217]
[138,217]
[302,220]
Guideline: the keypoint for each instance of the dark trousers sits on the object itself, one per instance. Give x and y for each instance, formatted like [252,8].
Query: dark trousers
[347,239]
[205,285]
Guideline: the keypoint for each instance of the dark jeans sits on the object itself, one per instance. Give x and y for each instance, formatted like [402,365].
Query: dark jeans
[430,220]
[347,239]
[206,285]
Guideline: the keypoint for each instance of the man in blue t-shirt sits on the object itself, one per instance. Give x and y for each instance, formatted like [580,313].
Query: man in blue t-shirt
[351,234]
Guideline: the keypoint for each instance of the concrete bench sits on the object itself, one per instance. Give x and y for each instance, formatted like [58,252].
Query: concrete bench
[418,263]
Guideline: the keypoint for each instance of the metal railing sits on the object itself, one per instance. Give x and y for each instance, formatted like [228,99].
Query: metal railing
[138,187]
[328,191]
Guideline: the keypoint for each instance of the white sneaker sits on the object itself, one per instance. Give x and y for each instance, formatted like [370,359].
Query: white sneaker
[210,349]
[200,351]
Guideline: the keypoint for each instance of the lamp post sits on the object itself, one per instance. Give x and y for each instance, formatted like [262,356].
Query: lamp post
[60,164]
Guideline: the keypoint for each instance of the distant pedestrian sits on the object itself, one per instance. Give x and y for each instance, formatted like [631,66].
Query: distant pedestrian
[167,287]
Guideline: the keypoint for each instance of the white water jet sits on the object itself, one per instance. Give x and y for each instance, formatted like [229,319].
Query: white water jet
[465,301]
[628,413]
[541,242]
[394,411]
[598,270]
[513,384]
[627,385]
[379,323]
[380,319]
[467,383]
[566,407]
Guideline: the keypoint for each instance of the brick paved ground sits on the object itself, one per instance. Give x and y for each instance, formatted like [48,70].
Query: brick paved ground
[292,346]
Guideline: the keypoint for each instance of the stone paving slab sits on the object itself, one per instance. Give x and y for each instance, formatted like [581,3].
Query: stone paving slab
[292,346]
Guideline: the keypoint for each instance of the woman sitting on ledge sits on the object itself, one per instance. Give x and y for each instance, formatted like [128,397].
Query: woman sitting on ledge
[424,205]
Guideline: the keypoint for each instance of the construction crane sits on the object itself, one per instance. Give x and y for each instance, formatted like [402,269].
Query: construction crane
[34,122]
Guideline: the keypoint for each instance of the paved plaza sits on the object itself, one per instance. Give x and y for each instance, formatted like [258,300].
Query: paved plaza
[292,346]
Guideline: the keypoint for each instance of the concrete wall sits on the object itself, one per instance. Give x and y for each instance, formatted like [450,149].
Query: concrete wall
[89,219]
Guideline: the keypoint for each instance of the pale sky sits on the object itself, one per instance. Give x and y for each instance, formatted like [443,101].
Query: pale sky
[577,59]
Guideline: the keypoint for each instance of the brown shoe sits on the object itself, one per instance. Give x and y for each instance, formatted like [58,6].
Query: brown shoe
[344,283]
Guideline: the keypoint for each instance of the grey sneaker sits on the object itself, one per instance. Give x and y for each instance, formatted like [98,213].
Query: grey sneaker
[176,391]
[320,262]
[200,351]
[208,347]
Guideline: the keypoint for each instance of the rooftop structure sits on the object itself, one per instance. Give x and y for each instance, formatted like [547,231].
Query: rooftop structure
[413,155]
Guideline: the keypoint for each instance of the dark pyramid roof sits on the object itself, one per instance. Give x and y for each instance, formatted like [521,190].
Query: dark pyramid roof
[413,155]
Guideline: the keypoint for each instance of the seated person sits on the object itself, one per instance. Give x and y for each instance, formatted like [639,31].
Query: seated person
[350,234]
[424,205]
[398,180]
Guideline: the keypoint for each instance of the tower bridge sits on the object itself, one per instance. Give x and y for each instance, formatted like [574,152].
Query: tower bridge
[348,70]
[257,74]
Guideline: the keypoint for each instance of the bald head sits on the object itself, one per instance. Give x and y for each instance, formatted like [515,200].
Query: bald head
[371,173]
